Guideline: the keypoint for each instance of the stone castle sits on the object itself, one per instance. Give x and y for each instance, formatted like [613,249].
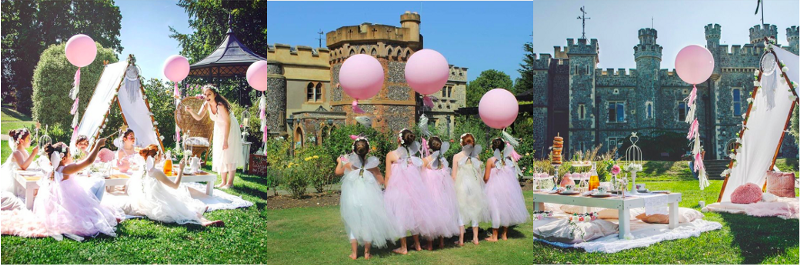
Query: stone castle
[591,106]
[305,102]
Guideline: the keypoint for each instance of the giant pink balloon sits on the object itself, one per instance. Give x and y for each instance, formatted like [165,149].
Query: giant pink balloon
[498,108]
[427,71]
[694,64]
[176,68]
[80,50]
[361,76]
[257,75]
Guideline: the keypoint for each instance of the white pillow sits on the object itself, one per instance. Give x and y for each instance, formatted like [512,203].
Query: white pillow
[614,213]
[685,215]
[571,209]
[196,141]
[769,197]
[561,231]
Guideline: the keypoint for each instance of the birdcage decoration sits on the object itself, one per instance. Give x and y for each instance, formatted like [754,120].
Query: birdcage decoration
[245,124]
[633,160]
[44,141]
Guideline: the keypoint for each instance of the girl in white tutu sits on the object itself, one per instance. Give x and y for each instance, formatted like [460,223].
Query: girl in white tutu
[437,177]
[18,141]
[407,199]
[469,187]
[159,198]
[506,203]
[227,149]
[365,218]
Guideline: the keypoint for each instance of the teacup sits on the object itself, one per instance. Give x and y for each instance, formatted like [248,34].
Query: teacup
[640,187]
[570,187]
[601,190]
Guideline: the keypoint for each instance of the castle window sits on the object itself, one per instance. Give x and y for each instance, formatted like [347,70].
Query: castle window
[737,102]
[444,92]
[581,111]
[683,108]
[314,92]
[318,92]
[577,71]
[614,142]
[588,71]
[616,111]
[649,110]
[616,91]
[449,92]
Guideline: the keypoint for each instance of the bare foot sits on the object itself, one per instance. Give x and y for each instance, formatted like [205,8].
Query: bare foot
[353,256]
[441,244]
[218,223]
[225,187]
[400,251]
[430,247]
[418,247]
[475,241]
[490,239]
[505,238]
[367,255]
[460,244]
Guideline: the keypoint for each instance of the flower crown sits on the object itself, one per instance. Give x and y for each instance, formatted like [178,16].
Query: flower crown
[353,147]
[400,136]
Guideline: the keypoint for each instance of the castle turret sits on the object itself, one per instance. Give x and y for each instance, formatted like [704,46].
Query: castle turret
[792,38]
[759,32]
[713,34]
[411,22]
[276,95]
[583,59]
[648,62]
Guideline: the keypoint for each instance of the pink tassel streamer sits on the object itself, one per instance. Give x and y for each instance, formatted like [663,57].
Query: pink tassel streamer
[692,96]
[698,162]
[425,149]
[74,107]
[514,154]
[263,114]
[693,129]
[77,77]
[178,134]
[427,101]
[74,135]
[264,137]
[356,109]
[176,92]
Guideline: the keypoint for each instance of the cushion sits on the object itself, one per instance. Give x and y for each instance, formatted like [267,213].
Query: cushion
[746,194]
[571,209]
[196,141]
[614,213]
[561,231]
[781,183]
[685,215]
[769,197]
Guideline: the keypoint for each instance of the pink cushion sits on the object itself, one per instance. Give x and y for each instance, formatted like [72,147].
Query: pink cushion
[781,183]
[746,194]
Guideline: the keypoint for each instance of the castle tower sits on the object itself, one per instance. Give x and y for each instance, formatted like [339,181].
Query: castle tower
[759,32]
[648,62]
[713,34]
[411,22]
[276,98]
[583,59]
[792,38]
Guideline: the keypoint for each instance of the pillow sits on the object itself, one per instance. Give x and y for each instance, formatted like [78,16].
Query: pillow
[769,197]
[561,231]
[685,215]
[196,141]
[571,209]
[614,213]
[746,194]
[781,184]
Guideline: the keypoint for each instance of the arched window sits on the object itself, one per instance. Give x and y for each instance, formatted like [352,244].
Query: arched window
[298,138]
[318,92]
[374,52]
[389,53]
[363,51]
[310,92]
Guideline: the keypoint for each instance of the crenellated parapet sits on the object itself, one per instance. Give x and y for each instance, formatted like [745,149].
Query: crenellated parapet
[541,63]
[298,55]
[616,78]
[457,74]
[759,32]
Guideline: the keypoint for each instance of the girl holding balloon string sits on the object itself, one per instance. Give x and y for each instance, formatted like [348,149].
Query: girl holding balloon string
[227,149]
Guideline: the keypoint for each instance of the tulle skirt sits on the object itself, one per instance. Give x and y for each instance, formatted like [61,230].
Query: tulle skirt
[363,211]
[67,208]
[506,202]
[408,202]
[151,198]
[226,160]
[443,193]
[471,197]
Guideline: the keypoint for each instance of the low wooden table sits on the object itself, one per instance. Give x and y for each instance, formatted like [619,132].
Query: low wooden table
[27,180]
[615,202]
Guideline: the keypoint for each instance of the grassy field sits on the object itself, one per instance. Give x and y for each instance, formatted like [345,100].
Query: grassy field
[242,240]
[11,119]
[316,235]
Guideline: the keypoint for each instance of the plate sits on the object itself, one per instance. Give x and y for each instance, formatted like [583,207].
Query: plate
[602,195]
[569,193]
[660,191]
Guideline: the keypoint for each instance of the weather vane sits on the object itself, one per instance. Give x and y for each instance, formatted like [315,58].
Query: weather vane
[583,18]
[320,38]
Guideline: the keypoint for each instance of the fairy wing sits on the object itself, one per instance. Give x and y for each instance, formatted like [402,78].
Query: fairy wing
[372,162]
[354,160]
[413,149]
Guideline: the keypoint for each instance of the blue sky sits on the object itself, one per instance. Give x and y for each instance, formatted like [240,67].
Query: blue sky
[476,35]
[145,32]
[615,24]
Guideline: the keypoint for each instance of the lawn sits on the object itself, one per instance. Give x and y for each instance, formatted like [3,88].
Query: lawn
[11,119]
[316,235]
[242,240]
[742,239]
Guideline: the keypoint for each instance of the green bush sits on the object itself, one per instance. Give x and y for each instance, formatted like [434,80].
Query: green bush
[52,81]
[295,178]
[319,166]
[162,105]
[277,159]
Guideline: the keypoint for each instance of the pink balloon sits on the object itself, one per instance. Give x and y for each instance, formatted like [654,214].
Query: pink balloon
[176,68]
[498,108]
[694,64]
[361,76]
[427,71]
[257,75]
[80,50]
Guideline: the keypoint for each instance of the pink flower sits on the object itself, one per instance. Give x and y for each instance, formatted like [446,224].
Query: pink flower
[200,96]
[615,170]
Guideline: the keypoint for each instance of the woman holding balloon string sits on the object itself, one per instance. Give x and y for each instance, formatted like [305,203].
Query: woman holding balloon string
[227,149]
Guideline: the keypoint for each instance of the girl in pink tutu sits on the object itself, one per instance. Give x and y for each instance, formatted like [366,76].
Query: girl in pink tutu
[437,178]
[469,184]
[406,198]
[506,203]
[66,208]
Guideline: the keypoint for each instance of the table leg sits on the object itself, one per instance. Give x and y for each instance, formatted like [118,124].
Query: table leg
[209,188]
[538,206]
[673,215]
[625,223]
[29,197]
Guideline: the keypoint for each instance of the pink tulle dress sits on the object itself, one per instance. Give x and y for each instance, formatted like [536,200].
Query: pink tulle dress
[439,181]
[504,195]
[66,208]
[406,198]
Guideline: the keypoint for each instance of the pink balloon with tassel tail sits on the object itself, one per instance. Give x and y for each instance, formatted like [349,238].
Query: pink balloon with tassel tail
[427,72]
[361,77]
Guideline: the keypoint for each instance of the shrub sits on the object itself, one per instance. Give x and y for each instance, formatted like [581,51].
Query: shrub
[295,178]
[52,81]
[319,166]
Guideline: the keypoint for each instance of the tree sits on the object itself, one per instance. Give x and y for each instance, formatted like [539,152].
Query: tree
[488,80]
[794,126]
[525,82]
[29,27]
[210,21]
[52,81]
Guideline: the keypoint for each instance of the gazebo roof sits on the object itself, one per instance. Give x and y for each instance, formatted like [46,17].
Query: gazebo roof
[230,58]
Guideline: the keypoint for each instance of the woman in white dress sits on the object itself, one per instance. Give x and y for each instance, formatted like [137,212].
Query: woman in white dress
[227,149]
[154,195]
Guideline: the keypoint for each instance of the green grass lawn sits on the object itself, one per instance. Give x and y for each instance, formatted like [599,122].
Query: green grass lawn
[242,240]
[742,239]
[317,235]
[11,119]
